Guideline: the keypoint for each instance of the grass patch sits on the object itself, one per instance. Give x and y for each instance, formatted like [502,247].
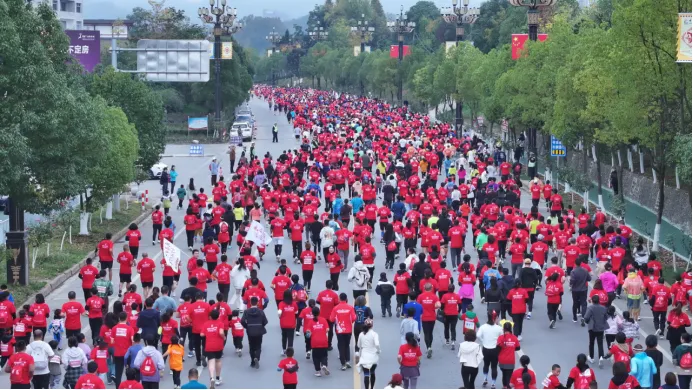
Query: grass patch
[48,267]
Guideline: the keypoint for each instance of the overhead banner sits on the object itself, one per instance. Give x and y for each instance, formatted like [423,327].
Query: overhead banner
[257,234]
[518,43]
[85,47]
[684,38]
[171,255]
[394,51]
[198,123]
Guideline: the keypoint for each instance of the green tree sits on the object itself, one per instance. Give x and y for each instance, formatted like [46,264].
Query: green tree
[116,166]
[142,106]
[49,138]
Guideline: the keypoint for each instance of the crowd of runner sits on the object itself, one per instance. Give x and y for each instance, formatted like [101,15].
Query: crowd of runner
[362,174]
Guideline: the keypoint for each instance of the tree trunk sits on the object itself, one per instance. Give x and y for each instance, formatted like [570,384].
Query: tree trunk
[116,203]
[109,210]
[84,223]
[600,197]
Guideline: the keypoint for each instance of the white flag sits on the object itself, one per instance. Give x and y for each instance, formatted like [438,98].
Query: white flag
[258,235]
[171,255]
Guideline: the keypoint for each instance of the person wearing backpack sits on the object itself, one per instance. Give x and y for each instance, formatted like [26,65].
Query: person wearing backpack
[149,361]
[682,360]
[358,276]
[42,352]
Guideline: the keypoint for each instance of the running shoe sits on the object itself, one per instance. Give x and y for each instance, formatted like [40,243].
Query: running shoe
[257,363]
[552,324]
[325,371]
[560,315]
[429,353]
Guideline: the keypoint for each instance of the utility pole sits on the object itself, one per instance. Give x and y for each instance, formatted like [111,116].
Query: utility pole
[366,33]
[400,26]
[459,15]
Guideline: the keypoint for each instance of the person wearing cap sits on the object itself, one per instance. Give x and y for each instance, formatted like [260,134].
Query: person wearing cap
[642,367]
[214,171]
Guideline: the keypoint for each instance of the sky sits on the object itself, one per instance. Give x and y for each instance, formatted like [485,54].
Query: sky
[285,9]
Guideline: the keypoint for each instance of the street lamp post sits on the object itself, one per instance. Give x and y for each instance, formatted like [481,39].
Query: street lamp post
[318,34]
[221,17]
[273,38]
[459,15]
[533,9]
[400,26]
[366,33]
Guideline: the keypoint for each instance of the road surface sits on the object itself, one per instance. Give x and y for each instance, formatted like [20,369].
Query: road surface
[544,346]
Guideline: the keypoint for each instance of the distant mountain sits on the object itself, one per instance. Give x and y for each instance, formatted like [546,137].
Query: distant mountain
[302,21]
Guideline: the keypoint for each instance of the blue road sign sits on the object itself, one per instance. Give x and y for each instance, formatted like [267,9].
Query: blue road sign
[557,148]
[197,150]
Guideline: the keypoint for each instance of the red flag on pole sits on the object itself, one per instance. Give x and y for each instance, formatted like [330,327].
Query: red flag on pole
[518,43]
[394,51]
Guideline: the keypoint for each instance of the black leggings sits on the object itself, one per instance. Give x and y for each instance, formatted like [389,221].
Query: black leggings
[507,373]
[490,359]
[287,338]
[518,319]
[469,376]
[296,246]
[307,277]
[156,230]
[428,327]
[186,331]
[450,328]
[190,234]
[319,358]
[369,377]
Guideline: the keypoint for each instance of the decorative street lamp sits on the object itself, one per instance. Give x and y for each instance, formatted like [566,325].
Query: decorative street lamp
[319,33]
[459,15]
[273,38]
[400,26]
[533,10]
[221,17]
[366,34]
[362,28]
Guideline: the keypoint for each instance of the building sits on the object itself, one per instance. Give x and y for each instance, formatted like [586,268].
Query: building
[109,28]
[69,12]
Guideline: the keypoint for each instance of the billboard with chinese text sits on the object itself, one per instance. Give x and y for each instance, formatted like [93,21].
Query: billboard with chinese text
[85,47]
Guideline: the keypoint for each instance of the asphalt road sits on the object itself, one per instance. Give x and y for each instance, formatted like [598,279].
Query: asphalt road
[544,346]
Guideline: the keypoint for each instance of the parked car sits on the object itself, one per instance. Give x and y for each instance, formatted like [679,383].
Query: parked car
[242,130]
[155,171]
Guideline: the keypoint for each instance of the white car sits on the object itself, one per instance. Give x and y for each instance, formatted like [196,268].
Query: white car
[155,171]
[243,130]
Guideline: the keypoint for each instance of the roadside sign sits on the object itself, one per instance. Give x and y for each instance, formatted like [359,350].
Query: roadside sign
[557,147]
[197,150]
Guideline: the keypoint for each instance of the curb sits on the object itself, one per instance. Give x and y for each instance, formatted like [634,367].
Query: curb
[63,277]
[186,155]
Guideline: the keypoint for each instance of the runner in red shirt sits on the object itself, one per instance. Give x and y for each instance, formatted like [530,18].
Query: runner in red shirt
[133,236]
[121,339]
[126,261]
[146,268]
[212,332]
[430,304]
[71,311]
[516,379]
[343,317]
[289,366]
[20,366]
[222,273]
[105,252]
[88,275]
[319,340]
[199,310]
[307,259]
